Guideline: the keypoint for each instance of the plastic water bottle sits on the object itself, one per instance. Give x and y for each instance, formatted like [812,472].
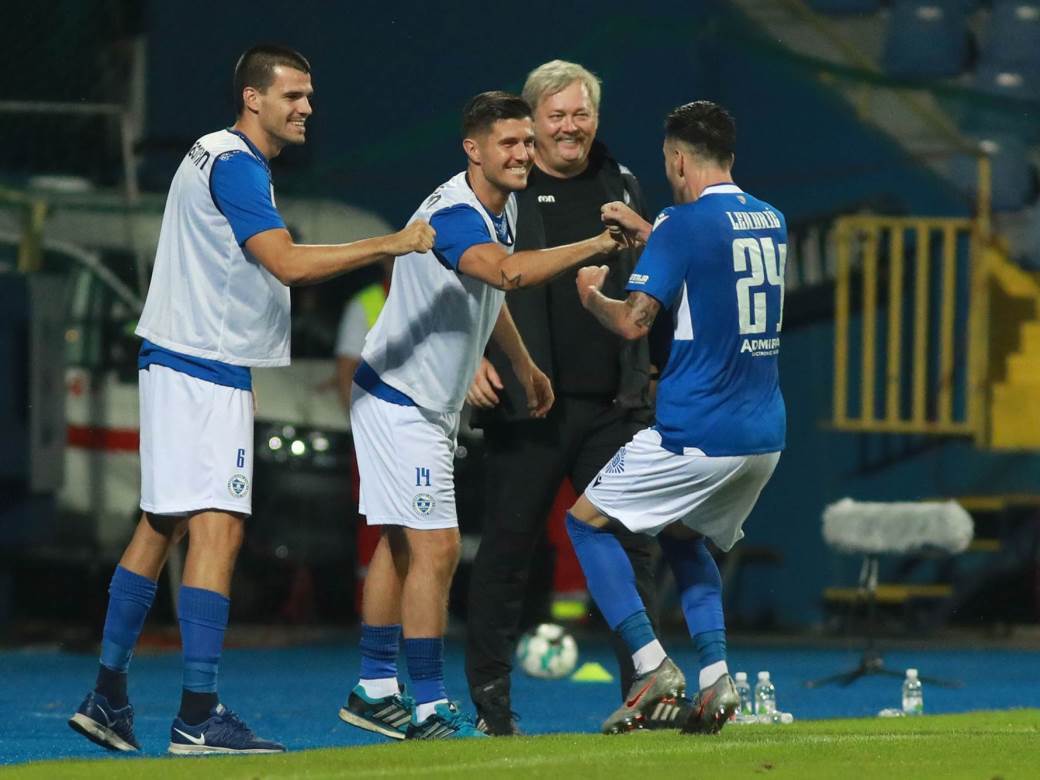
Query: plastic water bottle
[913,695]
[746,710]
[765,696]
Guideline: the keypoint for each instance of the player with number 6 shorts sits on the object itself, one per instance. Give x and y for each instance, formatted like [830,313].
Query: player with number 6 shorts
[714,263]
[217,305]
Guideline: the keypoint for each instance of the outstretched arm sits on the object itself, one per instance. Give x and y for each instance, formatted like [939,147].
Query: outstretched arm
[631,318]
[298,264]
[491,263]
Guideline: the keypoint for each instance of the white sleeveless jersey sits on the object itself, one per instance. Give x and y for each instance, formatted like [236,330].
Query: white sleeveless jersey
[209,297]
[436,322]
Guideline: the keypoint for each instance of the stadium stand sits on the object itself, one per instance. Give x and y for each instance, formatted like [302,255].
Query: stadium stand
[845,6]
[1014,110]
[1013,41]
[1014,175]
[926,40]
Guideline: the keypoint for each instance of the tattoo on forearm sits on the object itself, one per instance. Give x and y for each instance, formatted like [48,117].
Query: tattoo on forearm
[510,282]
[644,309]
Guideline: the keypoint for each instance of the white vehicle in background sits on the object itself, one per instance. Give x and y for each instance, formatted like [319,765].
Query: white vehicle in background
[104,252]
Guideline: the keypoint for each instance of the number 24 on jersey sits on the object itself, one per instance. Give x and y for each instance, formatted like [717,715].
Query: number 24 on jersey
[766,261]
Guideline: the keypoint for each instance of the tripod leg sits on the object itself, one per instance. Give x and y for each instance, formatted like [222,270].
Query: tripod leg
[842,678]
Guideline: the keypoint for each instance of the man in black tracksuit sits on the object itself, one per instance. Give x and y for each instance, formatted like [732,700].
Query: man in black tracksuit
[601,384]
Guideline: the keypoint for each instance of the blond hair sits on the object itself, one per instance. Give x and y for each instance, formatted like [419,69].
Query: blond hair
[556,75]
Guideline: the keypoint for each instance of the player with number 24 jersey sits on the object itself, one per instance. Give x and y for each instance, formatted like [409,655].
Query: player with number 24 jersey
[720,390]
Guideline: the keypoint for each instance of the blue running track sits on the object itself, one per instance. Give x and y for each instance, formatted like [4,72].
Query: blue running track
[293,695]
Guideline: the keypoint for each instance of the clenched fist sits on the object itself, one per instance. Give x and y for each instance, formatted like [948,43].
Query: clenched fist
[611,240]
[590,280]
[622,219]
[416,237]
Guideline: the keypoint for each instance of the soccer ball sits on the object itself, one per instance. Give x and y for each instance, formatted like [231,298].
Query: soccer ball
[548,652]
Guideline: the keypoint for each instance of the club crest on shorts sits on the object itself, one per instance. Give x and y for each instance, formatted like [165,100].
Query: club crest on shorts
[238,485]
[423,504]
[617,463]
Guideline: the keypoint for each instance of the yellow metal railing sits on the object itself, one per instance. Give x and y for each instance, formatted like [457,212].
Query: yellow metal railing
[933,392]
[926,401]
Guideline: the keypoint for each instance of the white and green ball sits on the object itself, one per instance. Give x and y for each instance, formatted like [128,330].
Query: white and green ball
[548,652]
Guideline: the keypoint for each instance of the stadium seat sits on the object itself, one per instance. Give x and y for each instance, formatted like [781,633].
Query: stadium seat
[1016,116]
[837,7]
[1013,41]
[1014,176]
[926,40]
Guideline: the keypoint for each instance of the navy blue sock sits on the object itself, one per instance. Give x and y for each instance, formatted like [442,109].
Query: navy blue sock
[112,685]
[700,592]
[203,618]
[130,596]
[426,668]
[636,631]
[608,572]
[379,648]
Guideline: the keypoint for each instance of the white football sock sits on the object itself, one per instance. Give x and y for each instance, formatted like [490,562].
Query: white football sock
[380,688]
[711,673]
[425,710]
[649,657]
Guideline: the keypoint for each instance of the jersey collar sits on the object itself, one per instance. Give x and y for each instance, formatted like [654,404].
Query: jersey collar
[721,189]
[252,147]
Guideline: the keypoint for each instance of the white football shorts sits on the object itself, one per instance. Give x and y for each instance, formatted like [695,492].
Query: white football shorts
[406,459]
[647,488]
[196,444]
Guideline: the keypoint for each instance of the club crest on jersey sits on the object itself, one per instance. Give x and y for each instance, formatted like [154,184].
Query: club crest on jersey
[423,504]
[617,463]
[238,485]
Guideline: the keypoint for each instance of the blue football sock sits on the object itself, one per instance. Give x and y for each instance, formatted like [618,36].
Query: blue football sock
[203,618]
[425,659]
[608,571]
[636,631]
[711,647]
[379,648]
[700,592]
[130,596]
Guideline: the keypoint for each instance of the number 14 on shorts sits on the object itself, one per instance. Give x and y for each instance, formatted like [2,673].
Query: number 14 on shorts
[422,477]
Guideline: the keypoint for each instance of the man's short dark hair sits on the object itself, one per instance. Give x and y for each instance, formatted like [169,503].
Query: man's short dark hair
[706,127]
[483,110]
[256,66]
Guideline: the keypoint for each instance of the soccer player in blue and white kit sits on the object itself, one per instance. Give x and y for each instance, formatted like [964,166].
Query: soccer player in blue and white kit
[715,262]
[417,364]
[218,303]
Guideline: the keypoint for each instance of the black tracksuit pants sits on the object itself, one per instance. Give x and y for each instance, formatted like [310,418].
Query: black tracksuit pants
[526,462]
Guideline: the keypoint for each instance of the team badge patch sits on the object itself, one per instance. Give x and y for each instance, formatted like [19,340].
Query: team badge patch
[617,463]
[238,485]
[423,504]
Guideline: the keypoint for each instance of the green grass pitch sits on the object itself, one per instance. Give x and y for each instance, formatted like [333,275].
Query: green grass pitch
[983,745]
